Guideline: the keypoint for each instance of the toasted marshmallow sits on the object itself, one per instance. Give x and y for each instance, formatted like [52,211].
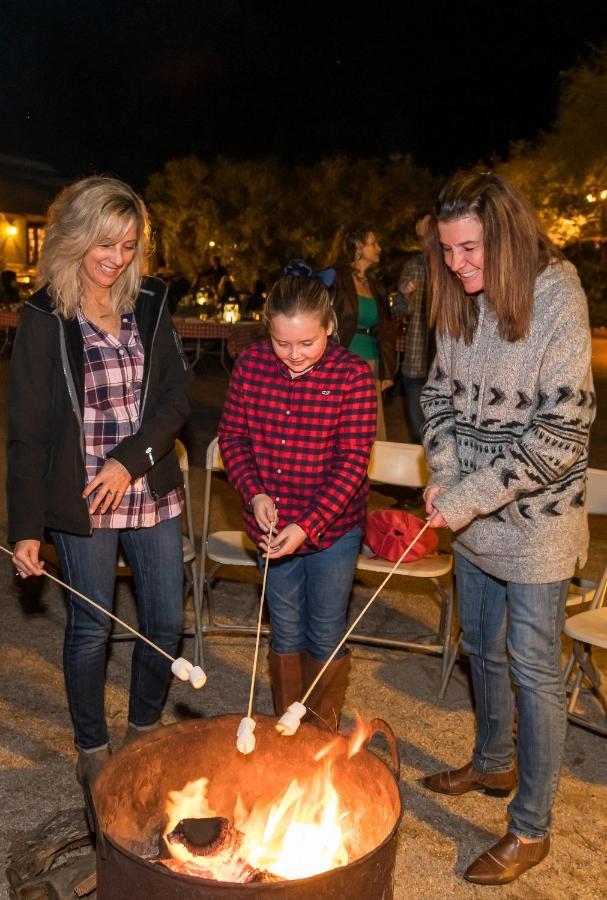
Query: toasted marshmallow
[290,721]
[245,739]
[181,668]
[197,678]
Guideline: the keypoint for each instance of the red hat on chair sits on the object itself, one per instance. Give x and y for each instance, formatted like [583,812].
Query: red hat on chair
[390,531]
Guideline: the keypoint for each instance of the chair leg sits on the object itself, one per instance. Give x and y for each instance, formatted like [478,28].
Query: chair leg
[198,630]
[581,655]
[449,642]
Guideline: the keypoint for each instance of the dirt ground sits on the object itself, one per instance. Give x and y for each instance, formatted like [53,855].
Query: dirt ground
[439,836]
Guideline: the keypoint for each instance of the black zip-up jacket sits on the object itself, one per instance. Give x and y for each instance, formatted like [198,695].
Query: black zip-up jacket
[46,465]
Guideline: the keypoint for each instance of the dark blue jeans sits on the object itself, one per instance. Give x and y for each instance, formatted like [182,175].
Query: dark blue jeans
[412,388]
[308,597]
[89,564]
[512,633]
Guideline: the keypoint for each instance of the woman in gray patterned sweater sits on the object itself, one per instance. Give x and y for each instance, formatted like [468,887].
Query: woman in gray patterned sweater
[508,408]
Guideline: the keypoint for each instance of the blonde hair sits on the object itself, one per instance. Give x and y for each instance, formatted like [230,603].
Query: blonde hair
[516,250]
[84,214]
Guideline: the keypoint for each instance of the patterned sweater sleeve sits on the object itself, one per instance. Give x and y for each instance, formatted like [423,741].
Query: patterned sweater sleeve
[439,426]
[556,437]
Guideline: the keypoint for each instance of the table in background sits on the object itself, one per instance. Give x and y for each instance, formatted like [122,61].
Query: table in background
[233,336]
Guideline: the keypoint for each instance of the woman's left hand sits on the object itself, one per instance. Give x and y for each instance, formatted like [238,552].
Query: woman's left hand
[110,483]
[386,383]
[285,542]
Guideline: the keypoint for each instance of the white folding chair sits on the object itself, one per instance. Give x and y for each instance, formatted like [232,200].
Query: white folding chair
[222,548]
[588,629]
[404,465]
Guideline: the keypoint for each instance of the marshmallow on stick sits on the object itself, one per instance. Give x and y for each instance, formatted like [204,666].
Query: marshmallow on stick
[290,721]
[245,739]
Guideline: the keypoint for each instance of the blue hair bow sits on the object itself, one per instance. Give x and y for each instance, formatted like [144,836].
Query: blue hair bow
[301,269]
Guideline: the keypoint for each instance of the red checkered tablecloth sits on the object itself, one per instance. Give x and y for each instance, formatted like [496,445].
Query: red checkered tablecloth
[203,331]
[237,335]
[9,318]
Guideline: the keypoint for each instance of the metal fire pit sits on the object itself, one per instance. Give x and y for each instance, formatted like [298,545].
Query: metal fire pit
[131,791]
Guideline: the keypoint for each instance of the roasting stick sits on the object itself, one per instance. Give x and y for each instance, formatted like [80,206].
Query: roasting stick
[291,719]
[245,739]
[180,667]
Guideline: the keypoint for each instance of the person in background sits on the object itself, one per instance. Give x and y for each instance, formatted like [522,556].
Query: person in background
[295,438]
[411,302]
[508,407]
[9,288]
[98,392]
[257,298]
[364,320]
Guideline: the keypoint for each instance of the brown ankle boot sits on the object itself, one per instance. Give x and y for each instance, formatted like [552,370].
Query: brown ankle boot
[326,700]
[287,678]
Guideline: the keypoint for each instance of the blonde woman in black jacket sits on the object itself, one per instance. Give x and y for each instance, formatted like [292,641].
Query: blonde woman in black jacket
[98,392]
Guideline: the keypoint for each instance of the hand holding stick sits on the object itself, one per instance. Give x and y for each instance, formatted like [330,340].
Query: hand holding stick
[180,667]
[291,719]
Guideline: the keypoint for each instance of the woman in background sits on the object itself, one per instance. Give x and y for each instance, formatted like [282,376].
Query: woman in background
[364,321]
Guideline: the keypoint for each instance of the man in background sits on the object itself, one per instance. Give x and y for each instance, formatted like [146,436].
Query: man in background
[411,302]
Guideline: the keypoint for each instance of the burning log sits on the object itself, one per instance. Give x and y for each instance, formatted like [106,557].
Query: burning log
[206,837]
[214,845]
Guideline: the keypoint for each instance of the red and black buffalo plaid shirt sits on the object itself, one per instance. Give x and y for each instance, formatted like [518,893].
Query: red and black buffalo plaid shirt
[304,441]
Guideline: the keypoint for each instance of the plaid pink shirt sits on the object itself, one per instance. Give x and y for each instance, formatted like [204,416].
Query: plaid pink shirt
[113,372]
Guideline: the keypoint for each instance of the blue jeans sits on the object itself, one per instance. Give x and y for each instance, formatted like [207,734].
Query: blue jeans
[512,634]
[155,556]
[412,388]
[308,597]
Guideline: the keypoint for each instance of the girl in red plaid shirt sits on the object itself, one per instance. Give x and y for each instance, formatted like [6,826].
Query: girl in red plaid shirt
[295,436]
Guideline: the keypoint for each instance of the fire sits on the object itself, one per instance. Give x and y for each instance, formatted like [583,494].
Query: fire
[300,834]
[303,832]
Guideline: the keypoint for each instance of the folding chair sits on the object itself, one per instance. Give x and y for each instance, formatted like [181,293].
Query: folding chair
[588,629]
[223,548]
[404,465]
[190,569]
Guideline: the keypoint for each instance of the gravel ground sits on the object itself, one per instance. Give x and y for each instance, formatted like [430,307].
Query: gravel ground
[439,836]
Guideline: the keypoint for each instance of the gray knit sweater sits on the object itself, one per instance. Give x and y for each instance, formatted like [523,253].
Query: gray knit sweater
[506,433]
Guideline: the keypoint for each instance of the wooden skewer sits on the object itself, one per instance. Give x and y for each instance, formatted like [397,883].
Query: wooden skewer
[257,639]
[101,609]
[364,610]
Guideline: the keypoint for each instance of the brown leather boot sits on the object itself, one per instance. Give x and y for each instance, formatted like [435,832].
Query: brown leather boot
[287,678]
[460,781]
[506,860]
[326,700]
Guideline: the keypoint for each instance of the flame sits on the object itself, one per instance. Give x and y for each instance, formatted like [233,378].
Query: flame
[301,833]
[297,835]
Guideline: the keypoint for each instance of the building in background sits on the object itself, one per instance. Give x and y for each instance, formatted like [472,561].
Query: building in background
[26,189]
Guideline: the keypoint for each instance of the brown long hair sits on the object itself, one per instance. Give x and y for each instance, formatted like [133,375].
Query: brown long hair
[294,295]
[344,247]
[516,250]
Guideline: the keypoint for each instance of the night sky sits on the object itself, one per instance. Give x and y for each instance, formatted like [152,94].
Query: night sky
[120,86]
